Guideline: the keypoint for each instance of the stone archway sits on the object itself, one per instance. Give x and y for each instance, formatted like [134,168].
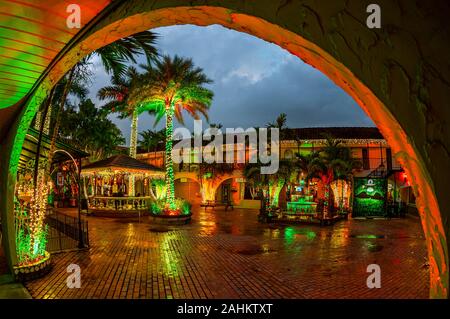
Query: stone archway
[396,74]
[188,187]
[235,190]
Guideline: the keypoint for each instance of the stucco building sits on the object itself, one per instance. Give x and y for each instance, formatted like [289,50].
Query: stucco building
[367,146]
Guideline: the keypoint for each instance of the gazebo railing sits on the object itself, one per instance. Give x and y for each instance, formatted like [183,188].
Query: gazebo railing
[125,203]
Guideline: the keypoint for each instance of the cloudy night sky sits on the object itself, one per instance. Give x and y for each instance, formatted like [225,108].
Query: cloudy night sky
[254,81]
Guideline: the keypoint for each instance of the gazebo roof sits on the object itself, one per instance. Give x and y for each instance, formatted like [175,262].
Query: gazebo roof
[122,163]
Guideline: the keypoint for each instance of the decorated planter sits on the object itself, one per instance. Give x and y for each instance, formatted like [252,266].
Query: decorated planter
[166,219]
[34,270]
[161,213]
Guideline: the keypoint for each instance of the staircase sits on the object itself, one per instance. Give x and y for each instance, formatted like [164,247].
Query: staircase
[382,172]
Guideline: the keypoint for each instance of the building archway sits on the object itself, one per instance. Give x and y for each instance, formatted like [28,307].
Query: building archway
[228,189]
[188,188]
[403,94]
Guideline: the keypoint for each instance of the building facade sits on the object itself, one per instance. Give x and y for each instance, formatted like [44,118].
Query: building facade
[367,146]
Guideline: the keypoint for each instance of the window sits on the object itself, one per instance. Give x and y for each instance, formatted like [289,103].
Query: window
[365,158]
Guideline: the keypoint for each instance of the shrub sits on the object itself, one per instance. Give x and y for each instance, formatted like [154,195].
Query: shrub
[160,207]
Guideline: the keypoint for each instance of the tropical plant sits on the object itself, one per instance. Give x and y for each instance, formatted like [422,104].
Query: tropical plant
[117,95]
[88,128]
[171,86]
[158,207]
[114,59]
[216,125]
[159,184]
[151,139]
[302,164]
[332,162]
[270,184]
[279,123]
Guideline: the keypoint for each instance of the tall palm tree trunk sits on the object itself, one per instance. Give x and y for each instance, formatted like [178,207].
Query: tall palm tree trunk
[133,149]
[134,133]
[40,193]
[170,192]
[326,203]
[58,116]
[42,174]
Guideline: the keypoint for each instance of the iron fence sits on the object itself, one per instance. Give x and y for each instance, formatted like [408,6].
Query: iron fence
[64,232]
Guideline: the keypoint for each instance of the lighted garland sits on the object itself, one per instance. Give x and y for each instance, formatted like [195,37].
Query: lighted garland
[133,136]
[170,177]
[275,190]
[133,148]
[31,232]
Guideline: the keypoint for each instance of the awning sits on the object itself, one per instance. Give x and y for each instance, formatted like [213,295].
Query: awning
[62,149]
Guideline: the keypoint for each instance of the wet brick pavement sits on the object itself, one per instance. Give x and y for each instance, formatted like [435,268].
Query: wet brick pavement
[230,255]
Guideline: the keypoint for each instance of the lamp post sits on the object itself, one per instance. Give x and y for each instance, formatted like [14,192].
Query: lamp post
[80,233]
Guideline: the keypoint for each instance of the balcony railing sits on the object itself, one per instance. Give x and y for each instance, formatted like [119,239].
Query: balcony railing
[373,163]
[194,167]
[126,203]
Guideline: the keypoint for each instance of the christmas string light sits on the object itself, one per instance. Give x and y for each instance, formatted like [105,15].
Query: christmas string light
[170,177]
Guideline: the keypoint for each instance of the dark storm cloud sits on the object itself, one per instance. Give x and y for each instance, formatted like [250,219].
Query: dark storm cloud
[254,81]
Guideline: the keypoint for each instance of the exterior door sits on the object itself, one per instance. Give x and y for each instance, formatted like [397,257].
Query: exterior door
[226,191]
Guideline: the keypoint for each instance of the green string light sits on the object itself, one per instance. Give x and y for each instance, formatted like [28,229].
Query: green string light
[170,177]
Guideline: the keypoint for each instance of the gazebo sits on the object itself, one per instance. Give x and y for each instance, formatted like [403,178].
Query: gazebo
[119,184]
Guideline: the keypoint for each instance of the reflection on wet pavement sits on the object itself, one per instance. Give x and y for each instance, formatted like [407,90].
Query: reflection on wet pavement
[230,255]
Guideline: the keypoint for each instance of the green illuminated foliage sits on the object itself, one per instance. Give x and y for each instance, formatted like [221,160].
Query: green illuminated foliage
[29,248]
[369,197]
[171,86]
[180,207]
[150,140]
[160,188]
[270,184]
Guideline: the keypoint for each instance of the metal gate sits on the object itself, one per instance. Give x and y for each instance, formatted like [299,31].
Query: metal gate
[64,232]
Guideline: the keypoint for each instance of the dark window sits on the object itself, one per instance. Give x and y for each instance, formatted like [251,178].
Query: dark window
[389,158]
[365,159]
[248,193]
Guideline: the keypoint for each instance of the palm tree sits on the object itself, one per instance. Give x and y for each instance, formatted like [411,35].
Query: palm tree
[302,164]
[216,125]
[89,129]
[270,185]
[117,55]
[174,85]
[113,58]
[279,123]
[151,139]
[333,162]
[117,94]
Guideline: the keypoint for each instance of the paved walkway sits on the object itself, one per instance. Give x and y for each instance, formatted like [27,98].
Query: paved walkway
[12,290]
[8,288]
[230,255]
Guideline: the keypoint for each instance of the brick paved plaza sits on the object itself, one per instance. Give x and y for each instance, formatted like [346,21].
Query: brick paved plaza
[230,255]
